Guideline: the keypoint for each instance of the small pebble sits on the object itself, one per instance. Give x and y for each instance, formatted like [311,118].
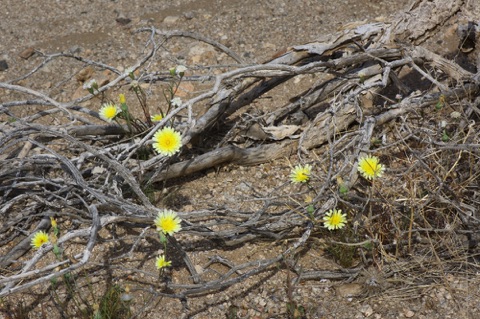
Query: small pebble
[28,52]
[3,65]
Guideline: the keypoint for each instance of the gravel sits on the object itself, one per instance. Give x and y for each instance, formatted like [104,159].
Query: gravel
[103,30]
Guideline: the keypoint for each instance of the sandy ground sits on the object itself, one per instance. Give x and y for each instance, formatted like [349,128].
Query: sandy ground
[104,31]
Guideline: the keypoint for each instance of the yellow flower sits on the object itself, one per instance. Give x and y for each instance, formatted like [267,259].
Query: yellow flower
[53,222]
[156,117]
[109,111]
[334,219]
[168,222]
[39,239]
[121,98]
[301,174]
[370,167]
[167,141]
[160,262]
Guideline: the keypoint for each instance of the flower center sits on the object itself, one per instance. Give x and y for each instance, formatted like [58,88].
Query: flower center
[110,112]
[336,219]
[168,225]
[168,142]
[371,168]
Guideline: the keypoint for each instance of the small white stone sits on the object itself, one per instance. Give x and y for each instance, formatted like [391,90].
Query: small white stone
[170,19]
[455,115]
[367,310]
[199,269]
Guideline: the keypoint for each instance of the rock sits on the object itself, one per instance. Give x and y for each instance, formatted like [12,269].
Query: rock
[199,269]
[105,77]
[98,170]
[297,118]
[201,52]
[184,89]
[243,187]
[89,73]
[269,46]
[255,132]
[349,290]
[27,53]
[75,49]
[189,15]
[367,310]
[85,74]
[122,20]
[79,92]
[170,20]
[3,65]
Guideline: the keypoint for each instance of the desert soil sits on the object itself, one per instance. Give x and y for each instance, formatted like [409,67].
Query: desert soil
[104,31]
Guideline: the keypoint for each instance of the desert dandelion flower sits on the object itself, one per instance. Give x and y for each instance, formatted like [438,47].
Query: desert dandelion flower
[160,262]
[53,222]
[334,219]
[370,167]
[109,111]
[301,174]
[122,99]
[39,239]
[156,117]
[167,141]
[168,222]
